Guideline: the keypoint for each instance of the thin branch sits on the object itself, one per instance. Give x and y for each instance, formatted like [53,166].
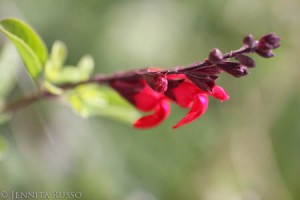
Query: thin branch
[263,47]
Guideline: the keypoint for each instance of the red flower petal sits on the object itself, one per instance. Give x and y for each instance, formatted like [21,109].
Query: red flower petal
[198,108]
[185,93]
[162,111]
[146,99]
[219,93]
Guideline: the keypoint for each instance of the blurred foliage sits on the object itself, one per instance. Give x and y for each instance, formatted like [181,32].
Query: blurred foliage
[8,75]
[57,73]
[245,148]
[89,100]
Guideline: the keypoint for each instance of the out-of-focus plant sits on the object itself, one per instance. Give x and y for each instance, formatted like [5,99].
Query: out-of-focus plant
[117,95]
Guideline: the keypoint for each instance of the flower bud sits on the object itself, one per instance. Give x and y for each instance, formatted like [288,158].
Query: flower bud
[245,60]
[215,55]
[249,41]
[265,53]
[204,82]
[157,81]
[271,40]
[235,69]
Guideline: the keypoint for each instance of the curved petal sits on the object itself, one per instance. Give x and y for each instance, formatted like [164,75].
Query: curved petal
[185,93]
[162,111]
[219,93]
[146,99]
[198,108]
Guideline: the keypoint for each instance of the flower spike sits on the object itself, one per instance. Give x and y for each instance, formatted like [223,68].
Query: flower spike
[152,89]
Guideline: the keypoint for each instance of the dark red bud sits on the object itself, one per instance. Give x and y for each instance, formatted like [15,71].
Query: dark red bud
[215,55]
[271,40]
[245,60]
[249,41]
[267,43]
[204,82]
[128,88]
[157,81]
[209,70]
[235,69]
[265,53]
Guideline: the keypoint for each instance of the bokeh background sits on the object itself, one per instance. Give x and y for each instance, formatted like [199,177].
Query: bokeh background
[244,149]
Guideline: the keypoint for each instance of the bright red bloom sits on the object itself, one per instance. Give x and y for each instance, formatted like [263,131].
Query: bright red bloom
[199,107]
[180,90]
[147,100]
[161,112]
[186,94]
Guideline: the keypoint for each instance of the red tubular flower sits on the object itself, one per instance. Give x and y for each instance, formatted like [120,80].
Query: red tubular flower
[161,112]
[180,89]
[187,94]
[184,94]
[198,108]
[147,100]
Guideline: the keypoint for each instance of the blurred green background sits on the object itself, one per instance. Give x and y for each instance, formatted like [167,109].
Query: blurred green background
[244,149]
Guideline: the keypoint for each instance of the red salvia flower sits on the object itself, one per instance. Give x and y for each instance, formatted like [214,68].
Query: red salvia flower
[199,107]
[152,89]
[147,100]
[184,93]
[188,95]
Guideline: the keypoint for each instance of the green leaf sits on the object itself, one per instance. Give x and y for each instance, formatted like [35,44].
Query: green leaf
[59,54]
[30,46]
[52,88]
[91,100]
[57,73]
[69,74]
[86,65]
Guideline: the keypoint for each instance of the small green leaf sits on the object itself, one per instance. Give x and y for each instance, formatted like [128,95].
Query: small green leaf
[86,64]
[52,88]
[30,46]
[91,100]
[72,74]
[59,54]
[57,73]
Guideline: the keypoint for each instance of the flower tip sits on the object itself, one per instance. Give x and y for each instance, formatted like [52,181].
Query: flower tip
[220,93]
[176,126]
[139,125]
